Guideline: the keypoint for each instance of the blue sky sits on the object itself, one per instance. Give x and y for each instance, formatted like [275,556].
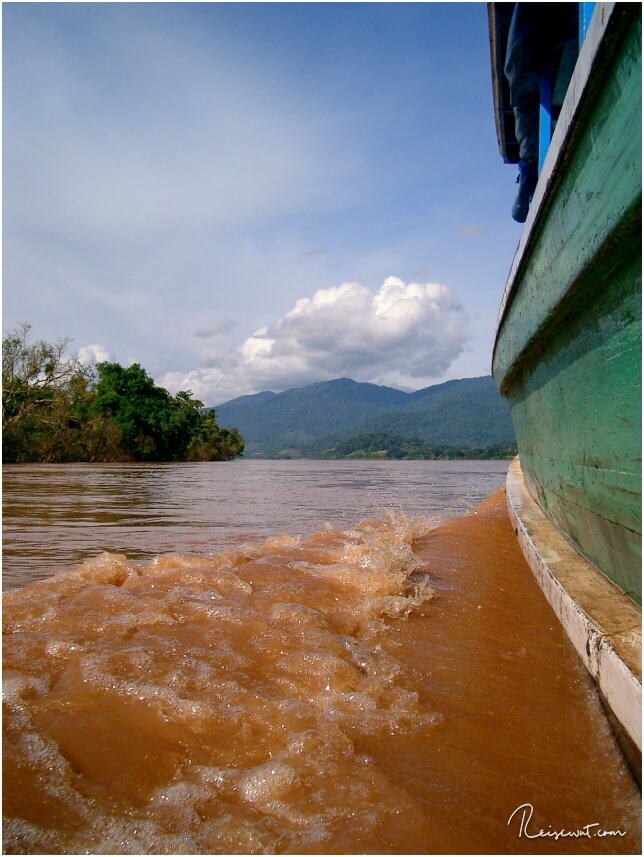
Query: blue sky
[256,196]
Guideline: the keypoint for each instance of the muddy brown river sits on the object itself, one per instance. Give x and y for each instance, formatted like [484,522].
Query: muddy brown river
[323,671]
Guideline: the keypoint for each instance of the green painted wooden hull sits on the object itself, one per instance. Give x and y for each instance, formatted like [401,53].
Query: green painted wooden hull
[568,348]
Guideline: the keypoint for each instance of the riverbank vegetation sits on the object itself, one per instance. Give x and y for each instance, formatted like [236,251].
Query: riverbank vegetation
[394,447]
[55,409]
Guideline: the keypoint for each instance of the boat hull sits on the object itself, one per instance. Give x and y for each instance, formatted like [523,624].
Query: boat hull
[568,348]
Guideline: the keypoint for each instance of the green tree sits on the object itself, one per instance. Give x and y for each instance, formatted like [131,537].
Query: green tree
[156,426]
[212,443]
[56,409]
[38,387]
[153,425]
[32,373]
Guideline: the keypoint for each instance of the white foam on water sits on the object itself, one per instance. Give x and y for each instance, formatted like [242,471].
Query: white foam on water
[211,703]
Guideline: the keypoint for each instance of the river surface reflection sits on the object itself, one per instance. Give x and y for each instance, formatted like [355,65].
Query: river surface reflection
[56,516]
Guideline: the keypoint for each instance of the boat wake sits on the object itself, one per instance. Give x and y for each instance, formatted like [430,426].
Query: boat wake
[212,703]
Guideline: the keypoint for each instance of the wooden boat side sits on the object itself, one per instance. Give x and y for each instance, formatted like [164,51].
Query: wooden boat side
[568,347]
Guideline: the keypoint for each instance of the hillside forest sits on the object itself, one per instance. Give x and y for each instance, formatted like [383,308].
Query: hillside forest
[466,418]
[55,409]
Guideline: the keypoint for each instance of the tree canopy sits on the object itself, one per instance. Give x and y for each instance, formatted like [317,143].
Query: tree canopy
[56,409]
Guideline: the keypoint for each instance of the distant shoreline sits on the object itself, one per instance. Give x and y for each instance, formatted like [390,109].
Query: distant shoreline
[250,458]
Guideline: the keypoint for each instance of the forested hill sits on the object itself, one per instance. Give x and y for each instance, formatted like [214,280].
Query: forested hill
[313,420]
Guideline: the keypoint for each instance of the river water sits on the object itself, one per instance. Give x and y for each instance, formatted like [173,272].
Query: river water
[257,657]
[58,515]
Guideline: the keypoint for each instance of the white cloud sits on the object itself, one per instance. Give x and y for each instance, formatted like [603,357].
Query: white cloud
[407,332]
[168,166]
[216,328]
[89,354]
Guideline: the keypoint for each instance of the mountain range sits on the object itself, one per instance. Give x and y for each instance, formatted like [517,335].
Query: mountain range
[312,421]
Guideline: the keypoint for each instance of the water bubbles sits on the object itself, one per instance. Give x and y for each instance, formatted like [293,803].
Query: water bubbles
[266,782]
[217,696]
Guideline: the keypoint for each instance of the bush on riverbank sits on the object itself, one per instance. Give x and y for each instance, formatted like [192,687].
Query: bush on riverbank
[386,446]
[55,409]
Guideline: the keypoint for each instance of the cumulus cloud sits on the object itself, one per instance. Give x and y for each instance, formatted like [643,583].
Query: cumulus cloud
[217,328]
[408,331]
[89,354]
